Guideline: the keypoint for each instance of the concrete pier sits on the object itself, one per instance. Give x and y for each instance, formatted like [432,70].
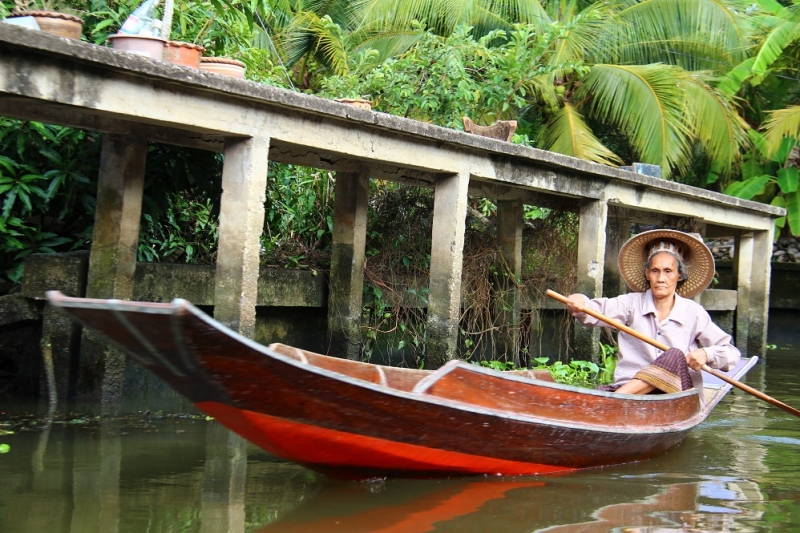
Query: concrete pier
[447,253]
[241,222]
[347,264]
[135,100]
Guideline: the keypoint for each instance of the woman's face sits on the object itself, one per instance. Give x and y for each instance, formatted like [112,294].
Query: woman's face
[663,275]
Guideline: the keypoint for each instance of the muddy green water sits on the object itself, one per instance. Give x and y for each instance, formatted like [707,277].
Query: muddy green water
[738,471]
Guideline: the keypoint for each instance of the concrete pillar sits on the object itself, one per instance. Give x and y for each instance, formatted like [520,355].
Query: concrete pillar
[347,264]
[447,250]
[591,256]
[112,260]
[743,270]
[241,222]
[618,231]
[752,266]
[510,218]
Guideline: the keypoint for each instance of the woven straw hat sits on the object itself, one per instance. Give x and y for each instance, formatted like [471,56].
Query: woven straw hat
[696,256]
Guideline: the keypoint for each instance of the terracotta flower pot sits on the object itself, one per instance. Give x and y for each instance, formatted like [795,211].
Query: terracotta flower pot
[182,53]
[223,65]
[148,46]
[54,22]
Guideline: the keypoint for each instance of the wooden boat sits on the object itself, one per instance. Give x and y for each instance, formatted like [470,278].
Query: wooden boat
[357,420]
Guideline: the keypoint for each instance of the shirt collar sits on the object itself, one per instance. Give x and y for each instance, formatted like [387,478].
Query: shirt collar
[678,313]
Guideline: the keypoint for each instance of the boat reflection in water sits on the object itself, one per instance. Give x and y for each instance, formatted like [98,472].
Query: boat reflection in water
[639,504]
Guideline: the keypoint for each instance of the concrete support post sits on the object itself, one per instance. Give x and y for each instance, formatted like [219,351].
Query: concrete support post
[347,264]
[759,292]
[591,256]
[509,240]
[743,268]
[112,260]
[447,252]
[241,222]
[618,231]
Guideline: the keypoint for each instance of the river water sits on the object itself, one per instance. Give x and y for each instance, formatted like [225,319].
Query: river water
[738,471]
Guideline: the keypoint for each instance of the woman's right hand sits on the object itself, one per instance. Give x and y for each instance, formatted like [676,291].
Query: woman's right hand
[575,303]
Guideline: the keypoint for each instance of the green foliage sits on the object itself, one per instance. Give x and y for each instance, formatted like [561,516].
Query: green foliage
[578,373]
[188,233]
[500,366]
[771,179]
[5,448]
[298,217]
[442,79]
[47,182]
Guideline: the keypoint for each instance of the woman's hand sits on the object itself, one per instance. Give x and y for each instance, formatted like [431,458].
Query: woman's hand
[575,303]
[696,359]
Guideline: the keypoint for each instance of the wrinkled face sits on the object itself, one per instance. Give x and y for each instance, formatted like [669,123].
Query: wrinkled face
[663,275]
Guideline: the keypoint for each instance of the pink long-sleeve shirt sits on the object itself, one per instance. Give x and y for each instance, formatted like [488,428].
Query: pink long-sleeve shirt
[688,327]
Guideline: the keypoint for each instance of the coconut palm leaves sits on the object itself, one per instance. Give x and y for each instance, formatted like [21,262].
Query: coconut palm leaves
[567,133]
[443,17]
[646,103]
[694,34]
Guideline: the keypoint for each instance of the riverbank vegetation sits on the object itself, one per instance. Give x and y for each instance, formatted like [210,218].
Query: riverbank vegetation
[708,90]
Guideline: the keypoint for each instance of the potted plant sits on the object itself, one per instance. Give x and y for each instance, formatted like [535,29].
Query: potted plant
[49,19]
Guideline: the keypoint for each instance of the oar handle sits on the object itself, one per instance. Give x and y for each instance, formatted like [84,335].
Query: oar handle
[622,327]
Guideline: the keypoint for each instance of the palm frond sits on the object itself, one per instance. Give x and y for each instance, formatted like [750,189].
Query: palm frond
[779,124]
[337,10]
[387,43]
[648,105]
[721,26]
[732,81]
[444,17]
[310,34]
[567,133]
[582,32]
[715,121]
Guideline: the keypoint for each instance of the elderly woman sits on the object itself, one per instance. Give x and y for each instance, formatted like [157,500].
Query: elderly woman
[665,268]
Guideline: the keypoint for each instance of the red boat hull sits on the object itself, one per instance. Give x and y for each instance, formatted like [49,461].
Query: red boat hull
[347,455]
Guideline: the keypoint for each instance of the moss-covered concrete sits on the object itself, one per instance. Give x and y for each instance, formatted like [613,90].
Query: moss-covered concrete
[64,272]
[159,282]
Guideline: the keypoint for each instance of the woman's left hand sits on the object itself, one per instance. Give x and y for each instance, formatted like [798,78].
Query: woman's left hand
[696,359]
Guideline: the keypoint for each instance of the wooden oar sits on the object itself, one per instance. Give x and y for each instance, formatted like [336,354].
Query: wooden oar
[622,327]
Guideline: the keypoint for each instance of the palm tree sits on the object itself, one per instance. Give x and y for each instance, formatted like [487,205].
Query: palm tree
[644,68]
[649,77]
